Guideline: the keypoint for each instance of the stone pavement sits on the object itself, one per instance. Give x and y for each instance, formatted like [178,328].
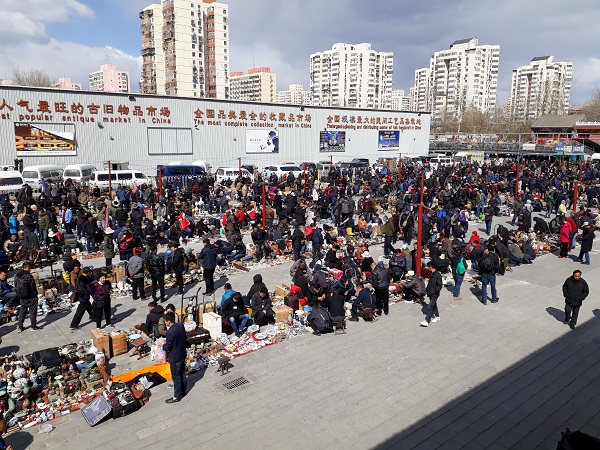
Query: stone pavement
[505,375]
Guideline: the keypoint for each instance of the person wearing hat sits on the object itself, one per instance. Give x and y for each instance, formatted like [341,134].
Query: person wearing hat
[413,287]
[175,347]
[109,246]
[367,262]
[587,241]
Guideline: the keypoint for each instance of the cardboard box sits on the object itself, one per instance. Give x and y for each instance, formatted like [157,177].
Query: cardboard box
[282,291]
[119,273]
[118,343]
[212,322]
[282,313]
[102,342]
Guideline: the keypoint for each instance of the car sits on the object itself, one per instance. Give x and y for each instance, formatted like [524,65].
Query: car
[363,161]
[223,174]
[309,166]
[283,171]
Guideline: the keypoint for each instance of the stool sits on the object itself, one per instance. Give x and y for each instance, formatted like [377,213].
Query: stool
[140,348]
[368,314]
[339,325]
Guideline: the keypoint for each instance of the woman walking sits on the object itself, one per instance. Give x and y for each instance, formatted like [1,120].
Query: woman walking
[101,301]
[565,238]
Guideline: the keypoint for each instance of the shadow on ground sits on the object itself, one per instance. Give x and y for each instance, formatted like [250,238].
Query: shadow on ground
[525,406]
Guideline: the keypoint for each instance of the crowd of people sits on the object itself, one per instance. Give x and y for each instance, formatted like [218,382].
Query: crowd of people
[329,224]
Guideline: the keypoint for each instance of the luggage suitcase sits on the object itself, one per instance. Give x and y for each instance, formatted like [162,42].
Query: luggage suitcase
[119,410]
[96,411]
[48,358]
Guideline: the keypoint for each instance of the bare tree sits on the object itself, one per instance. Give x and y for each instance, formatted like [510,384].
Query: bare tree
[592,108]
[33,78]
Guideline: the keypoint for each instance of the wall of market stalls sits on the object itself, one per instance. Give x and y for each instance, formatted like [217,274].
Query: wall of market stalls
[59,127]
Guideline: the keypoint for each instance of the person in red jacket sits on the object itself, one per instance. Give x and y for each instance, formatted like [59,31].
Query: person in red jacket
[565,238]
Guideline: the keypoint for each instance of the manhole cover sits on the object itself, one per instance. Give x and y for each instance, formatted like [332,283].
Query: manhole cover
[234,384]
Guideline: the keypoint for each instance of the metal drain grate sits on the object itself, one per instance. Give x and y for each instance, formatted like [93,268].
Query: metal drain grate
[234,384]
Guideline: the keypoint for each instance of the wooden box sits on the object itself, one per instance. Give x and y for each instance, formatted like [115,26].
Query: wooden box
[282,313]
[282,291]
[118,343]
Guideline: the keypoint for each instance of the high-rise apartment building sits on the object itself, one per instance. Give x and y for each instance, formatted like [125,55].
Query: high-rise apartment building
[67,83]
[400,102]
[352,75]
[258,85]
[109,79]
[194,37]
[153,55]
[541,87]
[295,95]
[463,77]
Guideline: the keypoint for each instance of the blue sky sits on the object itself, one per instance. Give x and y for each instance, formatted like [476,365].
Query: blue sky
[70,37]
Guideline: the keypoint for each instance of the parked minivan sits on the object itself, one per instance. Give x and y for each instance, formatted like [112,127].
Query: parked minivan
[207,167]
[32,175]
[231,173]
[440,161]
[79,172]
[11,181]
[122,177]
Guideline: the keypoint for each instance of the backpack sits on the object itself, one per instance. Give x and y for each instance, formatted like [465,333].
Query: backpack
[461,267]
[126,241]
[21,287]
[487,263]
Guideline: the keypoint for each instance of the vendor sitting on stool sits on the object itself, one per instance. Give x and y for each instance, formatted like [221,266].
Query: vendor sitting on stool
[261,307]
[413,287]
[150,327]
[363,301]
[235,312]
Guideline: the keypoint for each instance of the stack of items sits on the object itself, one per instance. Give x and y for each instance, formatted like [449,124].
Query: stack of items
[48,384]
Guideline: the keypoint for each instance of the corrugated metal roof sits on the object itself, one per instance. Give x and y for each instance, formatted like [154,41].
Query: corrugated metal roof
[558,121]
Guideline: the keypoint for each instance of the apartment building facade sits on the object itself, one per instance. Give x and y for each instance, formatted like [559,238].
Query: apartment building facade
[109,79]
[352,76]
[194,42]
[294,95]
[465,76]
[539,88]
[400,102]
[258,85]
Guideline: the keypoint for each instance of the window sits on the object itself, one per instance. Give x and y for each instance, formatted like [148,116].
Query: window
[124,176]
[30,174]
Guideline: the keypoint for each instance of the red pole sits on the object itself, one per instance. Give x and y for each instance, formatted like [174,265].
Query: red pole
[420,226]
[575,195]
[264,206]
[109,179]
[304,177]
[517,180]
[160,181]
[580,169]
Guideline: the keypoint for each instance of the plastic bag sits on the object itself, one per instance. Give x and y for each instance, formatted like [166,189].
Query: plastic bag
[45,428]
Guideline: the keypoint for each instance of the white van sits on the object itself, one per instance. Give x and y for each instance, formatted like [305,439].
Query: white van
[437,161]
[231,173]
[11,181]
[32,175]
[207,167]
[79,172]
[122,177]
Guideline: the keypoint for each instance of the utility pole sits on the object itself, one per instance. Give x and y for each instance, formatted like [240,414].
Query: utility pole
[109,179]
[240,167]
[304,177]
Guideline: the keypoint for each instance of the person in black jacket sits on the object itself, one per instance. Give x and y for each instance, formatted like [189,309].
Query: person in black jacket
[90,226]
[156,268]
[81,283]
[297,242]
[27,292]
[150,327]
[380,279]
[262,308]
[487,265]
[178,265]
[434,287]
[235,312]
[575,290]
[175,347]
[208,255]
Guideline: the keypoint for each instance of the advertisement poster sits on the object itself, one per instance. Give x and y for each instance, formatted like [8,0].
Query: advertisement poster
[36,139]
[262,141]
[389,140]
[332,141]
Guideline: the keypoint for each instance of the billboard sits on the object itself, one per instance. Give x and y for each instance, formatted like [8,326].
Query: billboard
[262,141]
[332,141]
[388,140]
[36,139]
